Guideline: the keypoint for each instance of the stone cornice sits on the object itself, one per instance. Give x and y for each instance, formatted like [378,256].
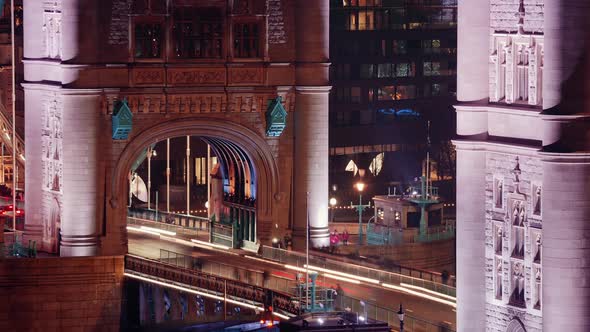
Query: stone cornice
[64,91]
[498,147]
[565,158]
[313,89]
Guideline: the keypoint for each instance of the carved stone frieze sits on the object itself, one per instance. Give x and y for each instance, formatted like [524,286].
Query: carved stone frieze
[185,103]
[241,75]
[148,76]
[196,76]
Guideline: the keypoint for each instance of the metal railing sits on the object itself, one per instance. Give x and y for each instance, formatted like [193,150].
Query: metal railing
[404,275]
[6,138]
[179,230]
[183,220]
[372,311]
[257,278]
[437,233]
[8,200]
[13,247]
[214,285]
[252,276]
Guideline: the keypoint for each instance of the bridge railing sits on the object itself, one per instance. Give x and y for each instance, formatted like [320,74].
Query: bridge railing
[4,200]
[404,275]
[369,310]
[252,276]
[179,230]
[183,220]
[12,246]
[341,301]
[214,285]
[437,233]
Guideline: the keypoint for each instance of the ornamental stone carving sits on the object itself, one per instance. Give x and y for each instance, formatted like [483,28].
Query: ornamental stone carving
[52,33]
[148,76]
[247,76]
[196,76]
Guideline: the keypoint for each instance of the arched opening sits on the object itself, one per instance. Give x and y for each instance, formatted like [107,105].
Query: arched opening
[515,326]
[196,170]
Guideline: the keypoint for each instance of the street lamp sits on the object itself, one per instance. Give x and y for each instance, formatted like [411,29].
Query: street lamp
[400,315]
[333,203]
[149,154]
[360,186]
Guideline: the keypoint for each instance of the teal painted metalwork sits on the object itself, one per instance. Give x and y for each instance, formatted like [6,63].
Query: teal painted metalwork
[16,249]
[122,120]
[276,117]
[382,235]
[436,234]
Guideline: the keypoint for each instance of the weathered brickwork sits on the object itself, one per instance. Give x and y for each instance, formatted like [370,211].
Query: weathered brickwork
[504,16]
[501,167]
[61,294]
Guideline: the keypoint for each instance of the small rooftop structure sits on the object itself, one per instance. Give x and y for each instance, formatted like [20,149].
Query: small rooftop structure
[413,215]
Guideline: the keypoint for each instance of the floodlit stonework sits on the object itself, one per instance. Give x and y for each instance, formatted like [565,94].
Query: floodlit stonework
[522,166]
[82,57]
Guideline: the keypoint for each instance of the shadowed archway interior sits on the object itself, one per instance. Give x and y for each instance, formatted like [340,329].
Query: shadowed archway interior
[246,166]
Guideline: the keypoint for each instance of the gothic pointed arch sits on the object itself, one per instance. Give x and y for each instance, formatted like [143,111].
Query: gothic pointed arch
[515,326]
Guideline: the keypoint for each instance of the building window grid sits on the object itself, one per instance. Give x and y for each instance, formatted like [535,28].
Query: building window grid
[370,15]
[197,32]
[247,40]
[148,39]
[396,92]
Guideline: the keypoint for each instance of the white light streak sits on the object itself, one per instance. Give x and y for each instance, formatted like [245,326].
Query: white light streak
[347,275]
[354,281]
[157,230]
[135,229]
[300,269]
[211,296]
[428,291]
[184,289]
[213,245]
[426,296]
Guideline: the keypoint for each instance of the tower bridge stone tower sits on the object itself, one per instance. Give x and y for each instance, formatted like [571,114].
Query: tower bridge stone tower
[523,164]
[206,68]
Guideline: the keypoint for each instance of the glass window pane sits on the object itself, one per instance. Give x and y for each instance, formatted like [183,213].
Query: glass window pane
[387,93]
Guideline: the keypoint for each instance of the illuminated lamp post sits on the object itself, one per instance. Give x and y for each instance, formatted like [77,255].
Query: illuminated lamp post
[360,186]
[400,315]
[333,203]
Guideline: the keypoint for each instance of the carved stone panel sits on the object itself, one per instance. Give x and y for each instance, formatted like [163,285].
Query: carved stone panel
[52,165]
[196,76]
[246,76]
[148,76]
[276,24]
[52,33]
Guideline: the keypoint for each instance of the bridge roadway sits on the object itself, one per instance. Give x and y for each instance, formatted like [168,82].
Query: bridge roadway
[149,245]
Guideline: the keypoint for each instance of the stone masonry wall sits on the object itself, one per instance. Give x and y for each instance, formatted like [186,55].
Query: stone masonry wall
[61,294]
[503,15]
[276,25]
[119,27]
[500,166]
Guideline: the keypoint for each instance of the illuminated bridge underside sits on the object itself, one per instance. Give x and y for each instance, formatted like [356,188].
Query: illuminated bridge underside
[209,286]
